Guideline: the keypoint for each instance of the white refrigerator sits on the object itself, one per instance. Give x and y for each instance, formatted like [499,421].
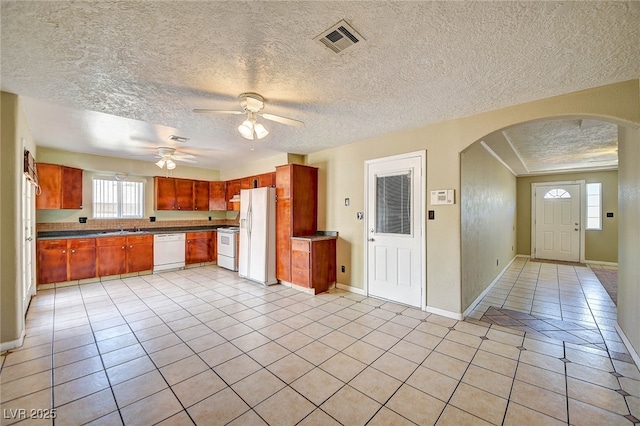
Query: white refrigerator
[257,260]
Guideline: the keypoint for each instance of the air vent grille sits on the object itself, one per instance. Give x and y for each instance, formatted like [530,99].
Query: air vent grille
[178,138]
[339,37]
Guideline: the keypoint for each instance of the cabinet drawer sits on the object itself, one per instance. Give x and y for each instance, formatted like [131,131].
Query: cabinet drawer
[299,245]
[110,241]
[300,259]
[196,235]
[300,276]
[136,239]
[82,242]
[52,244]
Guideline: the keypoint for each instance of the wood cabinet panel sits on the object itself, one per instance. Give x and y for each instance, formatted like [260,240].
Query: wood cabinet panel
[299,259]
[198,247]
[248,182]
[300,276]
[214,246]
[184,194]
[296,211]
[60,187]
[233,188]
[266,180]
[165,193]
[139,253]
[71,194]
[200,195]
[50,180]
[217,194]
[313,264]
[52,261]
[111,259]
[82,262]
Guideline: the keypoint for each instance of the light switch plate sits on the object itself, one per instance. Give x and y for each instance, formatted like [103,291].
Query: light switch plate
[360,215]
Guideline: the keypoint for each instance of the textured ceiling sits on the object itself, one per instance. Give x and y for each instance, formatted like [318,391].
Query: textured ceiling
[118,77]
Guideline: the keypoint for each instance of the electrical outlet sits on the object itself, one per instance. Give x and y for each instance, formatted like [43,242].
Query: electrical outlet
[209,217]
[347,202]
[343,269]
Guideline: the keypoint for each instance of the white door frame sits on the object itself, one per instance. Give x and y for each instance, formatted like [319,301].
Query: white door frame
[583,213]
[422,221]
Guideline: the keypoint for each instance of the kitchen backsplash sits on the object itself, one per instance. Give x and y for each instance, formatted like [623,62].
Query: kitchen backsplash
[106,224]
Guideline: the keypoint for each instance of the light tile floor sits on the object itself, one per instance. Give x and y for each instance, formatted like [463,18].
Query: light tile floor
[203,346]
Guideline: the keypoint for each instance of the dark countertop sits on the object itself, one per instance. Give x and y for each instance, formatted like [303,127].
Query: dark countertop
[93,233]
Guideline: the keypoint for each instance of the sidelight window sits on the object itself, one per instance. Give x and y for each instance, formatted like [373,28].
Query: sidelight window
[594,206]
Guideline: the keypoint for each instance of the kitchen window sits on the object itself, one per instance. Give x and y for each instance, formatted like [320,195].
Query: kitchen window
[118,199]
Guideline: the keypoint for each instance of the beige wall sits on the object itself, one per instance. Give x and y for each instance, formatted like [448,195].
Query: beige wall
[629,259]
[599,245]
[342,175]
[488,204]
[14,134]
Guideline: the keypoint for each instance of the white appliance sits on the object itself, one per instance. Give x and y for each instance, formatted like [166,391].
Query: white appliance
[258,235]
[168,251]
[227,248]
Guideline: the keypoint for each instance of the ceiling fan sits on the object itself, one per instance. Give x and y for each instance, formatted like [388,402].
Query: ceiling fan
[252,105]
[168,157]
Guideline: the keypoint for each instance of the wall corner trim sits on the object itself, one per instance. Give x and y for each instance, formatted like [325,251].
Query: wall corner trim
[627,343]
[12,344]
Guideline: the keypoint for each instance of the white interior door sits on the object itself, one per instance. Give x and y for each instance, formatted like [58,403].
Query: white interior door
[557,222]
[394,230]
[28,244]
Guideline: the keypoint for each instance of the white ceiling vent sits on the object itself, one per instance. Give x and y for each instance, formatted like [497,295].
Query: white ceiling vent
[339,37]
[178,138]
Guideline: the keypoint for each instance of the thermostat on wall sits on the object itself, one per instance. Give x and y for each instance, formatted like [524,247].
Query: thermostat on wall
[442,196]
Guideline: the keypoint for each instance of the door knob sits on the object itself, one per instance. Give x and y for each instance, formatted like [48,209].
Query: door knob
[371,239]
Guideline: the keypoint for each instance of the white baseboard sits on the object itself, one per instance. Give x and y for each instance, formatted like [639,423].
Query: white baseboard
[630,348]
[7,346]
[351,289]
[489,287]
[444,313]
[602,263]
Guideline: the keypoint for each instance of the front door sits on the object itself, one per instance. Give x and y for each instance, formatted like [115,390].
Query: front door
[395,256]
[557,221]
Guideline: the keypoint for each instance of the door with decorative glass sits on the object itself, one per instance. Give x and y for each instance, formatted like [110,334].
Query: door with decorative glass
[395,257]
[557,222]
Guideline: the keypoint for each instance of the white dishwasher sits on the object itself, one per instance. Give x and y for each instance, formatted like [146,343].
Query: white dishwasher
[168,251]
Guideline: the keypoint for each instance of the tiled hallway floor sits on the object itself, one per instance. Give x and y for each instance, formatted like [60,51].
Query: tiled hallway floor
[203,346]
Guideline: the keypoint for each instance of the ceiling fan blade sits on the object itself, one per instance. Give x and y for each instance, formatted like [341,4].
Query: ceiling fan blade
[217,111]
[183,160]
[283,120]
[183,156]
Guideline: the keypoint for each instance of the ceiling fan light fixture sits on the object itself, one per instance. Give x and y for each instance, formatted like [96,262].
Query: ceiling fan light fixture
[170,165]
[161,162]
[246,129]
[261,132]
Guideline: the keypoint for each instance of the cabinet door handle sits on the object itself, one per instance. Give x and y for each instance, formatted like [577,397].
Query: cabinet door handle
[122,247]
[130,246]
[73,251]
[64,251]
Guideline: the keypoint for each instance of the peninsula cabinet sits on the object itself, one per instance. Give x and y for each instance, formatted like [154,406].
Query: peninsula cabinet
[60,187]
[296,211]
[313,262]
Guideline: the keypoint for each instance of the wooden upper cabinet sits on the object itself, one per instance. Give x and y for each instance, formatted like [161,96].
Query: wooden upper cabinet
[217,194]
[165,195]
[184,194]
[71,188]
[233,188]
[266,180]
[200,195]
[248,182]
[60,187]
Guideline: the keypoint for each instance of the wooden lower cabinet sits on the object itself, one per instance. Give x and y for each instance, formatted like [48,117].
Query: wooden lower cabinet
[82,258]
[313,263]
[66,260]
[52,261]
[111,256]
[198,247]
[139,253]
